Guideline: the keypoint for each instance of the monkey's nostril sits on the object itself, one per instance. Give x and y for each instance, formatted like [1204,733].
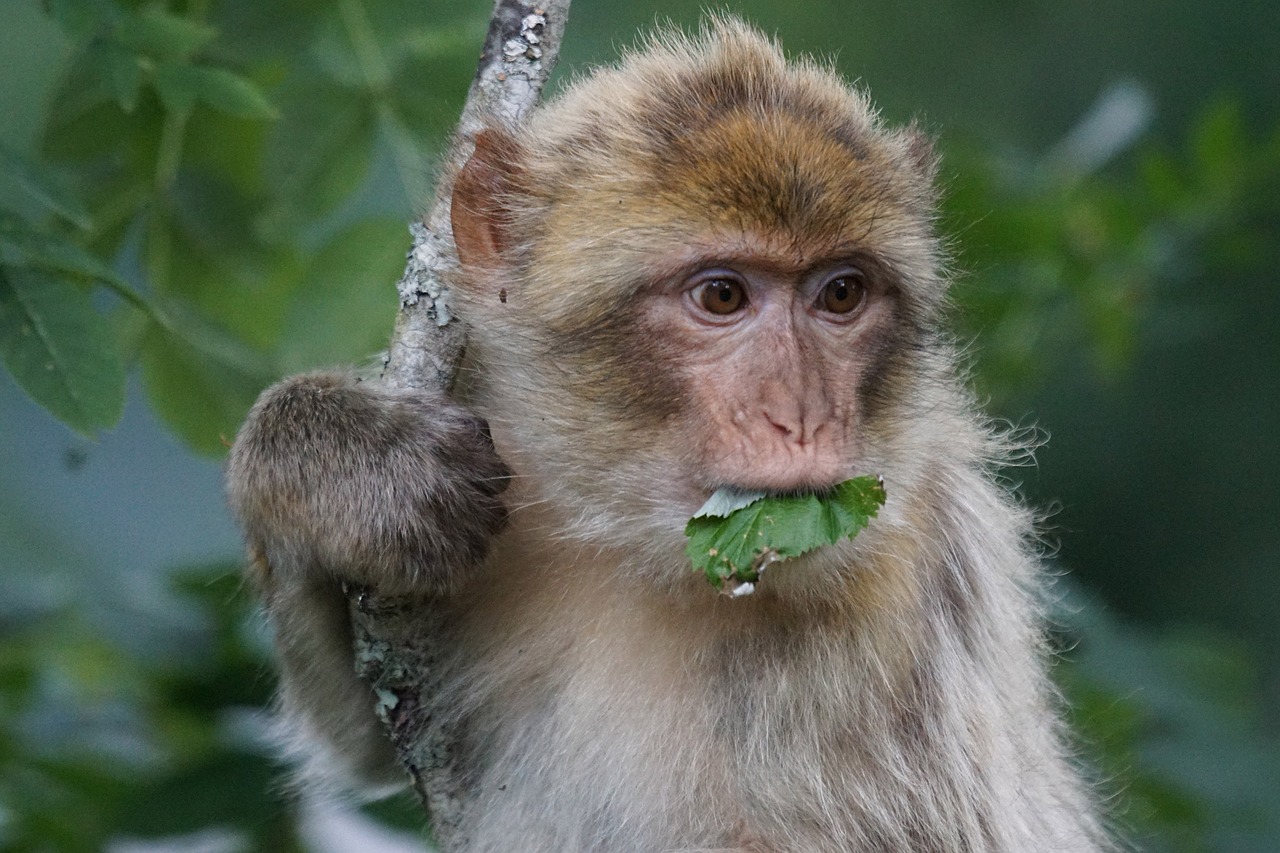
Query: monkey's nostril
[785,428]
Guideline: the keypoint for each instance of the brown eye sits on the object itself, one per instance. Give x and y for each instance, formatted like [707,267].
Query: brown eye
[722,295]
[843,294]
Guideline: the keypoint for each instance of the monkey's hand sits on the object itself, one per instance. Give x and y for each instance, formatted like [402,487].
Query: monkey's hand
[394,490]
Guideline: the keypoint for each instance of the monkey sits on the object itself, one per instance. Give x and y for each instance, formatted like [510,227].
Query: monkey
[704,267]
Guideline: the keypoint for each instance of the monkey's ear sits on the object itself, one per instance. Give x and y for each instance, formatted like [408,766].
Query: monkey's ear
[480,211]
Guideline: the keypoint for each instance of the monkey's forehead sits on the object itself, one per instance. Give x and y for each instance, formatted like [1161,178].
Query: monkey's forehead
[779,174]
[722,132]
[801,194]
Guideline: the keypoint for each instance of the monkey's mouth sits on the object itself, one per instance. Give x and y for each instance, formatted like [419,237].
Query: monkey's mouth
[725,499]
[749,493]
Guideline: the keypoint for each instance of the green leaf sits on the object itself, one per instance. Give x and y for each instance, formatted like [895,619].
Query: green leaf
[731,542]
[60,350]
[234,95]
[200,386]
[24,246]
[336,56]
[178,86]
[81,91]
[428,91]
[118,146]
[181,85]
[191,252]
[162,35]
[346,306]
[1218,143]
[123,72]
[318,153]
[43,185]
[80,18]
[226,786]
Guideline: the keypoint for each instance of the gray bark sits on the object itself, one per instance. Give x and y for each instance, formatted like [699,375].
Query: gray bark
[519,53]
[395,639]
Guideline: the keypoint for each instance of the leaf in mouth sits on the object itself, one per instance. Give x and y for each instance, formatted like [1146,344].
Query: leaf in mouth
[735,535]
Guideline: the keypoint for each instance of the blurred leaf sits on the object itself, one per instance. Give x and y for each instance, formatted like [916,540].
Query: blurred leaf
[45,186]
[1217,143]
[229,149]
[100,134]
[409,157]
[318,153]
[1175,718]
[200,381]
[234,95]
[449,35]
[22,245]
[275,33]
[346,305]
[60,350]
[203,251]
[227,789]
[123,72]
[450,43]
[337,56]
[428,92]
[83,86]
[80,18]
[211,213]
[202,773]
[180,86]
[162,35]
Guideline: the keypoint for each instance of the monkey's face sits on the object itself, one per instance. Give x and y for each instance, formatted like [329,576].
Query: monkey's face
[726,278]
[662,374]
[768,352]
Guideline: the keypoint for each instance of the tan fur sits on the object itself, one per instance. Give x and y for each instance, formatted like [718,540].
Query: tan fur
[884,694]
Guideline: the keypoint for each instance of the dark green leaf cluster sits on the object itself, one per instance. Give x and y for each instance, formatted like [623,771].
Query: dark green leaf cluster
[100,741]
[1083,266]
[97,741]
[191,207]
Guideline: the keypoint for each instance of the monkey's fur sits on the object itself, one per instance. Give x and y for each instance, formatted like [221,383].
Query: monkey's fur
[886,694]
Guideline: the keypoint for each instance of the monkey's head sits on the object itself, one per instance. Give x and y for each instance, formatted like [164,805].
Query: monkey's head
[706,267]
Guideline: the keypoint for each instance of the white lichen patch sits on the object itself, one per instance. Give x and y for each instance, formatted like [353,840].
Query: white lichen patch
[387,702]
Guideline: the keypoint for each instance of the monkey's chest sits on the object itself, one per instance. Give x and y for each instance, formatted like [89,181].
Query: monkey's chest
[630,735]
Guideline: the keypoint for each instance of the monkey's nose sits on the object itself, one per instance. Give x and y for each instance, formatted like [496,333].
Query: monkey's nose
[786,429]
[790,429]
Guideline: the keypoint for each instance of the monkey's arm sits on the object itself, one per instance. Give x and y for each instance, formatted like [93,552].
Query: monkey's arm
[338,482]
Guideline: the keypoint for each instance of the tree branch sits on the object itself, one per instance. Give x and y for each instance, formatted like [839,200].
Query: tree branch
[395,639]
[519,53]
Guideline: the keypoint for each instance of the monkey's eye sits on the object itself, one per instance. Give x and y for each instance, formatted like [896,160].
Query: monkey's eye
[843,294]
[721,295]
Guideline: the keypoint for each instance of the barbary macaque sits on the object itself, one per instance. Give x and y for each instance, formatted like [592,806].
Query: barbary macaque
[706,268]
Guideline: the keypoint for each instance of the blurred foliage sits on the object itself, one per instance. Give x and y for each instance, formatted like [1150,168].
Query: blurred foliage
[1056,263]
[100,742]
[194,212]
[96,742]
[1175,723]
[194,163]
